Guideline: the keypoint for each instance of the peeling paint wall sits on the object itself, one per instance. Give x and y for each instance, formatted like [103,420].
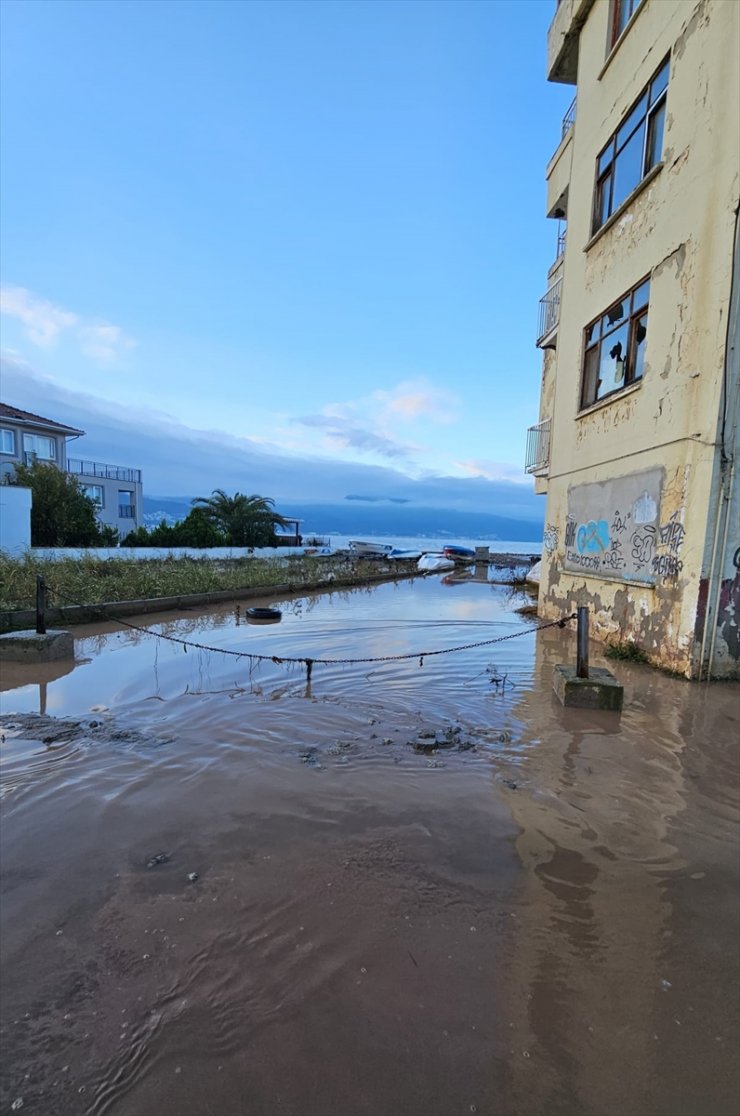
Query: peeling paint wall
[678,230]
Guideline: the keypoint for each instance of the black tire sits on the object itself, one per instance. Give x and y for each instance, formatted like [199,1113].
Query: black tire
[264,614]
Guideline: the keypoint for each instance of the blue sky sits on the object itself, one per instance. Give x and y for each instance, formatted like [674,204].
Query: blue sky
[307,231]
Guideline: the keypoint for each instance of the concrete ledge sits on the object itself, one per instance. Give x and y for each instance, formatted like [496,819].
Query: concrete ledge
[31,647]
[599,691]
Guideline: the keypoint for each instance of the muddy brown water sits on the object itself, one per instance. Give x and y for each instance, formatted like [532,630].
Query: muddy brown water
[541,918]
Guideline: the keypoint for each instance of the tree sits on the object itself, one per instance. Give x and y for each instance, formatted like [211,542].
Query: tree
[194,530]
[61,513]
[244,520]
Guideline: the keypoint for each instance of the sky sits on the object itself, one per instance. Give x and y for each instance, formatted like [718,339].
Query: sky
[303,240]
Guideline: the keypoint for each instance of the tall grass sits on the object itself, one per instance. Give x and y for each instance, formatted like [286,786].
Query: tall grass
[94,580]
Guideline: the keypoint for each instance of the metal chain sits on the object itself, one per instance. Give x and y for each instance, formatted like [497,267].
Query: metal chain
[308,660]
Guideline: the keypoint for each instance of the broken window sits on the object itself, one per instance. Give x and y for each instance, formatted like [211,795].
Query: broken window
[622,12]
[633,150]
[614,355]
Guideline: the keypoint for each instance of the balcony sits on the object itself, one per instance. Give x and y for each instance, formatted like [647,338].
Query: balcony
[549,316]
[537,460]
[569,119]
[563,40]
[106,472]
[559,168]
[126,511]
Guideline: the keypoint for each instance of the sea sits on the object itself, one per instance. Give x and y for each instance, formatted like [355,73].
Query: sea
[434,543]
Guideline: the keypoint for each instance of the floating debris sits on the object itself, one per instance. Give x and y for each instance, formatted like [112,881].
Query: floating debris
[193,876]
[158,858]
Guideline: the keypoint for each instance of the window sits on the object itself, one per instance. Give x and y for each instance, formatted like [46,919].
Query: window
[44,448]
[94,492]
[622,12]
[126,508]
[615,343]
[633,150]
[7,441]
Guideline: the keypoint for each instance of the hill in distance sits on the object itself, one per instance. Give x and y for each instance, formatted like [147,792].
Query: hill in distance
[374,519]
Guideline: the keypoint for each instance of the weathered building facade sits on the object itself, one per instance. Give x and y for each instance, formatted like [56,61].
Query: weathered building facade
[637,442]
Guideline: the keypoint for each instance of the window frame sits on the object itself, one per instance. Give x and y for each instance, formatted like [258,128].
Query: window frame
[3,431]
[632,318]
[129,506]
[98,503]
[614,33]
[34,438]
[655,104]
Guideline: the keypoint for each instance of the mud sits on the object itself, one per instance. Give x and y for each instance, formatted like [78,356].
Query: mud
[396,889]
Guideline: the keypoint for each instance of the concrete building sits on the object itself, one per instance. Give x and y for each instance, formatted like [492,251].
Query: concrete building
[637,443]
[115,489]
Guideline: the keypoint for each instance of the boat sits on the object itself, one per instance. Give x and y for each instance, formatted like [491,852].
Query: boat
[434,563]
[405,555]
[369,549]
[460,554]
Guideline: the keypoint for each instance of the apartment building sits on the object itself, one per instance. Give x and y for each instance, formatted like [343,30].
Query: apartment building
[115,489]
[637,441]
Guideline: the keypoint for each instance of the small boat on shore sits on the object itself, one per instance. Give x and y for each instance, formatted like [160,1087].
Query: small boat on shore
[434,563]
[461,555]
[369,549]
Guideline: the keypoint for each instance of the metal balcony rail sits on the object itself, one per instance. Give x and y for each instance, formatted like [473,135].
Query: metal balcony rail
[538,448]
[569,119]
[126,511]
[562,233]
[107,472]
[549,311]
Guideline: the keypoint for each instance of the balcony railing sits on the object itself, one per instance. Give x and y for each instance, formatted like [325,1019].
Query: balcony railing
[549,311]
[126,511]
[107,472]
[538,448]
[569,119]
[562,233]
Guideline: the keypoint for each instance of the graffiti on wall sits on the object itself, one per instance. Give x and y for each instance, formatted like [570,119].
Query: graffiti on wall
[614,529]
[551,538]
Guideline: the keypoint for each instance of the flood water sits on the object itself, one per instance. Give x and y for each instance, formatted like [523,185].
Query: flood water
[541,917]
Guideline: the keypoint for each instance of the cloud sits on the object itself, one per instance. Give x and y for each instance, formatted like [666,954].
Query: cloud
[345,433]
[43,320]
[178,460]
[378,423]
[493,471]
[413,399]
[104,342]
[45,323]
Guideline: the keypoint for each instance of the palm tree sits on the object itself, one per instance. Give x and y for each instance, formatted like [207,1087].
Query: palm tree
[245,520]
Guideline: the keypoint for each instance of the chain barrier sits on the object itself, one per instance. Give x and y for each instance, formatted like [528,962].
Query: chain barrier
[309,661]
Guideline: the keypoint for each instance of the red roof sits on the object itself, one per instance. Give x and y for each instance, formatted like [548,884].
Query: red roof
[8,412]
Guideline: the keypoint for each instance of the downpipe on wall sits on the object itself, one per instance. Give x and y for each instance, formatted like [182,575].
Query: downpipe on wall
[728,448]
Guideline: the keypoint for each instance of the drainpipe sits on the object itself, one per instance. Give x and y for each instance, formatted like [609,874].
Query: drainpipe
[728,445]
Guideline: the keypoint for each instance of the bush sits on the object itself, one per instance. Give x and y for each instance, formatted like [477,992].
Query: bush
[61,513]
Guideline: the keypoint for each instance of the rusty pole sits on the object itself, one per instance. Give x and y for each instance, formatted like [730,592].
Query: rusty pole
[582,643]
[40,605]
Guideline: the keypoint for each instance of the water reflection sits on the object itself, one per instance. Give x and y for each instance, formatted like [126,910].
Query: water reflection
[543,920]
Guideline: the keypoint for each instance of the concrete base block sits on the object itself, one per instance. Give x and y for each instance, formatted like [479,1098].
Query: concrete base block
[599,691]
[30,647]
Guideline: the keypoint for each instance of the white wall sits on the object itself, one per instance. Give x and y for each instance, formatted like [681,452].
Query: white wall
[15,519]
[144,553]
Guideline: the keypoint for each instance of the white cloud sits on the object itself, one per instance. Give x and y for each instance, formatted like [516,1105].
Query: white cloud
[104,342]
[45,324]
[379,423]
[43,320]
[414,399]
[493,471]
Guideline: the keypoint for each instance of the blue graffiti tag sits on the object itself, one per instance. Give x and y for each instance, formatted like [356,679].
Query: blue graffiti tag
[593,537]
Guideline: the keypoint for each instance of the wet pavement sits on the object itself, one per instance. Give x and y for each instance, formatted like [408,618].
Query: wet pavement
[540,916]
